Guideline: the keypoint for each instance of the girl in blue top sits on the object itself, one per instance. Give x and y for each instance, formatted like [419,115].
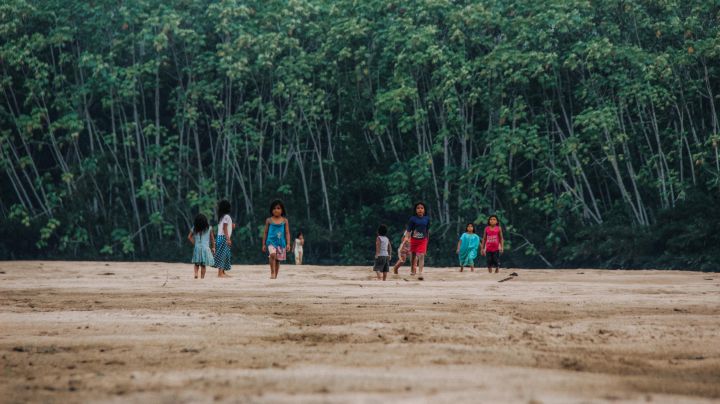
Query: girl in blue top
[276,240]
[467,247]
[418,229]
[201,236]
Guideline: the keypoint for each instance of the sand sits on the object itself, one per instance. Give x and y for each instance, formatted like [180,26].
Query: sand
[149,332]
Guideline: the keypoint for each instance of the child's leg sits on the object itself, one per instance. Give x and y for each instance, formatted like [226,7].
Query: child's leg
[196,271]
[398,264]
[271,261]
[277,267]
[202,272]
[420,265]
[385,275]
[472,267]
[461,268]
[412,263]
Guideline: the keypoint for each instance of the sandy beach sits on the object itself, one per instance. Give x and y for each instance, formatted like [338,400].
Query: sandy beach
[149,332]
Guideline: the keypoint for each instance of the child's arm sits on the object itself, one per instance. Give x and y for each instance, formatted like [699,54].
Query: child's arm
[457,250]
[502,240]
[264,240]
[482,245]
[287,235]
[212,240]
[377,246]
[190,238]
[228,240]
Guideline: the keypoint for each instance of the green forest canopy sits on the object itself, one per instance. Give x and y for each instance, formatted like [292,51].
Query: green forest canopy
[590,127]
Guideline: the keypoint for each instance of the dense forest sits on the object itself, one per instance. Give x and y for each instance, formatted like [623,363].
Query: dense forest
[589,127]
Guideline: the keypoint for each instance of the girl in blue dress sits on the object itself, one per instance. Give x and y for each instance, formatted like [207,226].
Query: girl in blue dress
[467,247]
[276,239]
[201,235]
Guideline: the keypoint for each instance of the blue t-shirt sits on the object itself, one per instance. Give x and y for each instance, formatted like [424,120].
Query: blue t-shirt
[418,227]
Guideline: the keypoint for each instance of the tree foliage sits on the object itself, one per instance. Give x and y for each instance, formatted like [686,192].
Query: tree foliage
[587,126]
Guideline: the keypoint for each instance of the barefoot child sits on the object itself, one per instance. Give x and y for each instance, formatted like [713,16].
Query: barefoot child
[383,253]
[223,241]
[298,247]
[467,247]
[403,252]
[276,240]
[201,235]
[492,243]
[419,229]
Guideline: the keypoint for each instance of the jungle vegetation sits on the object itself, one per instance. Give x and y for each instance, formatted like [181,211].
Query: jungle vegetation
[590,127]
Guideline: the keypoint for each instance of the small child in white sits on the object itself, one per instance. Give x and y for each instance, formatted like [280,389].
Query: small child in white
[383,253]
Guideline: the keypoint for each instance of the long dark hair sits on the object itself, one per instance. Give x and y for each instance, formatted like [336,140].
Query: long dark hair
[299,233]
[277,202]
[201,224]
[470,224]
[223,208]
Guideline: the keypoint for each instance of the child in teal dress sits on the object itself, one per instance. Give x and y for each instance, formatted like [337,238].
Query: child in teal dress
[201,235]
[467,248]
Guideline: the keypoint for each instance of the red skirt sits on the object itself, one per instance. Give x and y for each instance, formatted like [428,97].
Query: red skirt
[418,245]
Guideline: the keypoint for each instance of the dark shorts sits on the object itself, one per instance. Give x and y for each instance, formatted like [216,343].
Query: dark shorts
[493,258]
[382,264]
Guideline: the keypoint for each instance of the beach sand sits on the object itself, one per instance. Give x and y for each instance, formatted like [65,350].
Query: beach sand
[149,332]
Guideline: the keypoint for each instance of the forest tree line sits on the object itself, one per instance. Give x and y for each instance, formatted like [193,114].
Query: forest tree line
[589,127]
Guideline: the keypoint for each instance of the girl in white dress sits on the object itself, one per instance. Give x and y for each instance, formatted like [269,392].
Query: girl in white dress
[298,248]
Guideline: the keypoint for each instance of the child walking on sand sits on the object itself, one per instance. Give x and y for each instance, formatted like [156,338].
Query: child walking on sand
[223,241]
[298,247]
[276,239]
[403,252]
[419,229]
[201,236]
[492,243]
[467,247]
[383,253]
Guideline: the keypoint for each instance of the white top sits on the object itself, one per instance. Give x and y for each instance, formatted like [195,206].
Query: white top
[384,244]
[228,220]
[298,245]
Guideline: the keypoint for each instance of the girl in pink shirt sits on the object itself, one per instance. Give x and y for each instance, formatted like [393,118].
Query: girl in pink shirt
[492,244]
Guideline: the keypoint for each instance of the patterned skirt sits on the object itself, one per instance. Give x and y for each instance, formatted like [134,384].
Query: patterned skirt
[222,254]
